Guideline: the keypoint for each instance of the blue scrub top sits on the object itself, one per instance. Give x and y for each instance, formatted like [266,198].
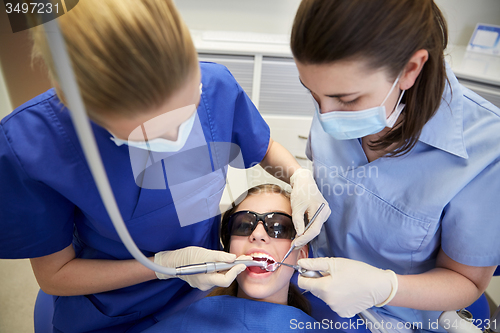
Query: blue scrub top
[49,199]
[395,213]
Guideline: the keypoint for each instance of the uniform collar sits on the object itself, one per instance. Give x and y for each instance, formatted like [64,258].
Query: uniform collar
[445,130]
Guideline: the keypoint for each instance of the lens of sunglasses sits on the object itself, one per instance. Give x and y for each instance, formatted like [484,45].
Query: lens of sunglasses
[277,225]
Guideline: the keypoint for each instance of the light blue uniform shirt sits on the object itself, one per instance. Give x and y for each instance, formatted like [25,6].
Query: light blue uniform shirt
[396,213]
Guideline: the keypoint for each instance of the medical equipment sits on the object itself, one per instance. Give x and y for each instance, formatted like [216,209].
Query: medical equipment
[462,321]
[275,266]
[302,271]
[210,267]
[458,322]
[304,198]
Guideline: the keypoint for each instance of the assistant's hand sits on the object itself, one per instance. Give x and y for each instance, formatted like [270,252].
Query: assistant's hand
[352,285]
[306,197]
[196,255]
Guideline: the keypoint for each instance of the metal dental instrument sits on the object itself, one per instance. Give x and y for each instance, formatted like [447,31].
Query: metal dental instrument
[304,272]
[276,265]
[210,267]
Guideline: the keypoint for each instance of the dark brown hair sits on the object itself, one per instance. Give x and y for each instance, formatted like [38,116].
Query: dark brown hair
[385,34]
[295,298]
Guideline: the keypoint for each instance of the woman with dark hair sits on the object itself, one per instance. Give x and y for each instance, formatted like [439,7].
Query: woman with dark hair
[259,227]
[419,153]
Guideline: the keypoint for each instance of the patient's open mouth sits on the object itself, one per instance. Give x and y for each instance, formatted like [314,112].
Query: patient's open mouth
[261,257]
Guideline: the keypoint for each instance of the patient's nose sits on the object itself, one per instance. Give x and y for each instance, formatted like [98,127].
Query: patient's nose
[259,233]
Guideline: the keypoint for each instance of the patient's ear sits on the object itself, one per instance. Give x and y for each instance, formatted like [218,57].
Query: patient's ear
[303,252]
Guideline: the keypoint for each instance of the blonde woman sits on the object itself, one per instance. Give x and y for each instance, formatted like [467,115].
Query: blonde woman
[137,69]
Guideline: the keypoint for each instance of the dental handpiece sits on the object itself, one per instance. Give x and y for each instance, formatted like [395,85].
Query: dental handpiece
[210,267]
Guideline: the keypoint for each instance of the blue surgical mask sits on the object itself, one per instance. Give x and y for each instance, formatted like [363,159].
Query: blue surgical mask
[346,125]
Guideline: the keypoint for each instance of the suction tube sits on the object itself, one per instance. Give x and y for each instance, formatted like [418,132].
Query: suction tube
[87,140]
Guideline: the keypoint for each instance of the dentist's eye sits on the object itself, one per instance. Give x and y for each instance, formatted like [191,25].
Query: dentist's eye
[348,103]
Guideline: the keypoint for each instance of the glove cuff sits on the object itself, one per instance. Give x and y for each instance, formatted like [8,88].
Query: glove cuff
[298,173]
[157,260]
[394,283]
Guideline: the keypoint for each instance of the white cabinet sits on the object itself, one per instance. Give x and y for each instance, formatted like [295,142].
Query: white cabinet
[291,132]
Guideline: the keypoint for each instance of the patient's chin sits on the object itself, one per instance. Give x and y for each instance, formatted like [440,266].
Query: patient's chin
[273,289]
[259,294]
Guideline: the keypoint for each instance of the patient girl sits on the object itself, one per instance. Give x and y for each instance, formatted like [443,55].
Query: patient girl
[261,227]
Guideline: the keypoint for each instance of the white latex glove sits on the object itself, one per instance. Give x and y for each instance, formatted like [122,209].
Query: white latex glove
[352,285]
[197,255]
[306,197]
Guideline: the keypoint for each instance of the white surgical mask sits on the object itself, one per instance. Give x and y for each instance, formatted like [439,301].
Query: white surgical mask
[161,144]
[346,125]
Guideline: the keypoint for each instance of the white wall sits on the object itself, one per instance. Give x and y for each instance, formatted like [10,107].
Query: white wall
[276,16]
[494,289]
[463,15]
[5,104]
[267,16]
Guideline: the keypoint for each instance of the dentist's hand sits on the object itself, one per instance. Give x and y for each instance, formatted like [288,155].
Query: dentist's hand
[196,255]
[351,287]
[306,197]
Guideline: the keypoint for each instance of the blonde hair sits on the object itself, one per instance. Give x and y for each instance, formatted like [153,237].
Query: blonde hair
[128,55]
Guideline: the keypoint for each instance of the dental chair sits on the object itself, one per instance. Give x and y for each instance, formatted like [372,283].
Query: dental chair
[43,313]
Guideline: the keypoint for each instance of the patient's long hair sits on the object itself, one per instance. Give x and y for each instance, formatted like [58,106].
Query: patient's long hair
[295,298]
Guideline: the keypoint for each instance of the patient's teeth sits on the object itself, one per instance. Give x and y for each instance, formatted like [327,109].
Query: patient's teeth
[258,255]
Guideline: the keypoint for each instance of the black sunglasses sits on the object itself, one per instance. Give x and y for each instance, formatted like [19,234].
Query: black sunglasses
[277,225]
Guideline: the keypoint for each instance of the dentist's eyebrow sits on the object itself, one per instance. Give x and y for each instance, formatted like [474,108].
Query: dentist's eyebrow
[332,96]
